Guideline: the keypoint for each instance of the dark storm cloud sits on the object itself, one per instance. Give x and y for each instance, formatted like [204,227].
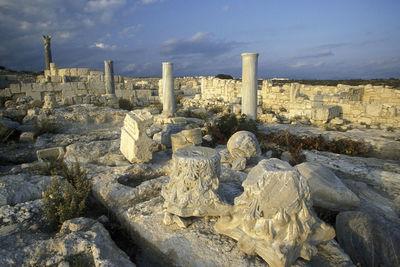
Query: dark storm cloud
[201,43]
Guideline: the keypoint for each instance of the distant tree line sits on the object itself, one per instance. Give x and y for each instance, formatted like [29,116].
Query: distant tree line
[393,82]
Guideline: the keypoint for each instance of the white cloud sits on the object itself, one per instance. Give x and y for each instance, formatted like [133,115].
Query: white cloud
[150,1]
[298,64]
[130,31]
[103,5]
[129,67]
[201,43]
[103,46]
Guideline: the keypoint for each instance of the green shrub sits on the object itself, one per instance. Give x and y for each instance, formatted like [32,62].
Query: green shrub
[125,104]
[46,126]
[224,127]
[216,109]
[199,115]
[65,199]
[223,76]
[158,106]
[295,143]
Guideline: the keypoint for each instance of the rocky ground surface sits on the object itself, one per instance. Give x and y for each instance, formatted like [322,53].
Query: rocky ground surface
[366,218]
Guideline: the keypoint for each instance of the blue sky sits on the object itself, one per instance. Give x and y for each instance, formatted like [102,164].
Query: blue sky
[321,39]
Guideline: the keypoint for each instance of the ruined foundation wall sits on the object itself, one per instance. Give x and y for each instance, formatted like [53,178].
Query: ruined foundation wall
[82,85]
[372,105]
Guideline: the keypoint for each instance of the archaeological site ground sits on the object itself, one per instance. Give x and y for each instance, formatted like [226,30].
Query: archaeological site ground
[98,169]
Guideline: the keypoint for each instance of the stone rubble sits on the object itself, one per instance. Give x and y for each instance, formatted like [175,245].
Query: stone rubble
[273,217]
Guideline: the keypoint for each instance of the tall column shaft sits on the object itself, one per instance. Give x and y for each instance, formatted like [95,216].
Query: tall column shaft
[109,76]
[249,84]
[47,51]
[168,89]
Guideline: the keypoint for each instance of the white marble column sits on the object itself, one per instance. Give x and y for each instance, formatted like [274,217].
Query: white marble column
[249,84]
[168,89]
[109,77]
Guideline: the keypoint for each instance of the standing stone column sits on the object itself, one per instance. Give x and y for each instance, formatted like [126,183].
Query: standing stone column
[168,98]
[249,84]
[109,77]
[47,51]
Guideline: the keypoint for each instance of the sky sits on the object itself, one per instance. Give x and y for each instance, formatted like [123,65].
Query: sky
[309,39]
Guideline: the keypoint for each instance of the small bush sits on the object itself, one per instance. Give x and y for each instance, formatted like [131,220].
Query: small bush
[46,126]
[158,106]
[295,143]
[223,76]
[216,109]
[125,104]
[199,115]
[224,127]
[65,199]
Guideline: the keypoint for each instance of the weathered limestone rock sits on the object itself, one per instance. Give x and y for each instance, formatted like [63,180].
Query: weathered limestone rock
[109,77]
[273,217]
[135,144]
[249,84]
[368,239]
[50,154]
[327,191]
[243,144]
[47,51]
[20,188]
[191,137]
[168,89]
[27,137]
[239,164]
[193,185]
[49,101]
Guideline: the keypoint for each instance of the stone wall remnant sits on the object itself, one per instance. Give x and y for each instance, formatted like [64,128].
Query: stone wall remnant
[273,217]
[193,185]
[47,51]
[135,144]
[168,98]
[249,84]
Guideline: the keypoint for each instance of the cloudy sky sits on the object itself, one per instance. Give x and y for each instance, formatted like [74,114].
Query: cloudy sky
[319,39]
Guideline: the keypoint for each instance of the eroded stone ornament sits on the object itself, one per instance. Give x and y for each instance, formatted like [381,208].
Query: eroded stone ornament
[273,216]
[193,184]
[49,101]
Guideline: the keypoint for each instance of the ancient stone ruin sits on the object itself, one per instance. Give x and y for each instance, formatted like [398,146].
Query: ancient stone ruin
[179,174]
[273,217]
[193,186]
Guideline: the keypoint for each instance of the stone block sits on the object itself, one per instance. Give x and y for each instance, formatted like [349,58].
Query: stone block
[325,113]
[373,110]
[27,137]
[15,88]
[327,191]
[135,144]
[50,154]
[191,137]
